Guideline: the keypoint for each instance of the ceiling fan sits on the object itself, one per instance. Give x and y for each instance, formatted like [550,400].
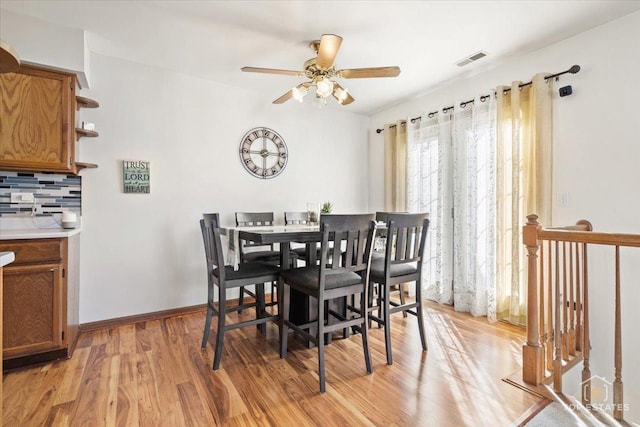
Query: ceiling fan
[320,70]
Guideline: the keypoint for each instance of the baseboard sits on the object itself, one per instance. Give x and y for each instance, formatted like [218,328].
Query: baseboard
[156,315]
[34,359]
[145,317]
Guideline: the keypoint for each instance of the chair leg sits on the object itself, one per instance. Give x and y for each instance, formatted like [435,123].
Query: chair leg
[321,346]
[273,288]
[283,312]
[345,312]
[402,301]
[379,298]
[423,338]
[370,302]
[207,325]
[387,323]
[241,298]
[364,332]
[260,307]
[222,304]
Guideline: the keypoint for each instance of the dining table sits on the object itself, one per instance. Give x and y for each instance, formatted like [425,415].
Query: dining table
[301,308]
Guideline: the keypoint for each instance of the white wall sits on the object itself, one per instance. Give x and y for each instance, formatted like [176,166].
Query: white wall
[596,161]
[143,252]
[40,42]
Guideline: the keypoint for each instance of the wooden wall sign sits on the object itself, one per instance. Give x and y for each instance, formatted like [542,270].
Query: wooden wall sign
[137,178]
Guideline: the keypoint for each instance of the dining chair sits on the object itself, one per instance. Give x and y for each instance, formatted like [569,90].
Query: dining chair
[406,235]
[299,218]
[224,277]
[384,217]
[257,252]
[335,277]
[296,218]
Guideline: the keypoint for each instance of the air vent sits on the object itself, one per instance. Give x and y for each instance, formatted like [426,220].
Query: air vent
[471,58]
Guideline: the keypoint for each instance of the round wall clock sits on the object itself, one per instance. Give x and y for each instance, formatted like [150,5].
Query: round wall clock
[263,153]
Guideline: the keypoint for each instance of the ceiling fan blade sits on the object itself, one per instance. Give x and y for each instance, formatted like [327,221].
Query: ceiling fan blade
[287,96]
[364,73]
[272,71]
[328,49]
[342,95]
[284,98]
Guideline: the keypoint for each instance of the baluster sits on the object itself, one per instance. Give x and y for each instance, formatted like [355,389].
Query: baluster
[532,356]
[572,306]
[543,328]
[550,325]
[578,301]
[586,343]
[565,305]
[557,361]
[617,383]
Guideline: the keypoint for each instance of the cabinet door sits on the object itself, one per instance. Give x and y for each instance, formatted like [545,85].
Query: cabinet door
[32,311]
[37,131]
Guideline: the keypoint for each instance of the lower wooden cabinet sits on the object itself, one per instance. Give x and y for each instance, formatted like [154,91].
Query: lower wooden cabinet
[40,316]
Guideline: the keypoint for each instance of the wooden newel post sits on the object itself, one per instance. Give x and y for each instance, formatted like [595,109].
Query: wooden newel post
[532,354]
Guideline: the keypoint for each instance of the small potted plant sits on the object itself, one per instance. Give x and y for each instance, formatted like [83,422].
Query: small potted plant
[327,207]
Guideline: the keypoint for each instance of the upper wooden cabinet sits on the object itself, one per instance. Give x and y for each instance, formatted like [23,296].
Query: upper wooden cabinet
[37,121]
[37,130]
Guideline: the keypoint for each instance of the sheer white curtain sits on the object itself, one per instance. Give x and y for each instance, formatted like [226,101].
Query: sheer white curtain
[479,172]
[451,174]
[429,189]
[474,233]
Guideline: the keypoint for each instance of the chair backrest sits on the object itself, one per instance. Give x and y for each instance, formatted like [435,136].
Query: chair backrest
[384,216]
[208,217]
[352,233]
[406,237]
[254,219]
[291,218]
[210,228]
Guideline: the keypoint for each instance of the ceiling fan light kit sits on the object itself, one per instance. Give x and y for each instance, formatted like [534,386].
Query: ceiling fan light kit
[321,70]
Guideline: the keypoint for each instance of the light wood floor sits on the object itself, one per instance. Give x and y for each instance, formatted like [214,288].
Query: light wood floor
[154,374]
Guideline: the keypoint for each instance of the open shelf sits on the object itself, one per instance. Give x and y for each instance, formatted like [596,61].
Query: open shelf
[85,132]
[82,102]
[81,165]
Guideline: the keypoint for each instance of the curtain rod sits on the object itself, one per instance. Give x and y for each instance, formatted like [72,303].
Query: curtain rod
[573,70]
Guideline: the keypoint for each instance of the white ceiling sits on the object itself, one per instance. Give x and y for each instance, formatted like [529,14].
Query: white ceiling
[214,39]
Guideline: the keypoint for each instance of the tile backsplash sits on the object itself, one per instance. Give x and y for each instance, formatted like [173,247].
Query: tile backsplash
[53,193]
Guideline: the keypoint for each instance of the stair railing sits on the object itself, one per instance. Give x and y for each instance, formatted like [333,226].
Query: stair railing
[558,305]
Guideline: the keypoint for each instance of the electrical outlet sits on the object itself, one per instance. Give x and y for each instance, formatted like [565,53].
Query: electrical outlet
[22,198]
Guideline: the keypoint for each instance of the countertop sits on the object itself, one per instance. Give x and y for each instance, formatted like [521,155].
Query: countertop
[6,258]
[37,233]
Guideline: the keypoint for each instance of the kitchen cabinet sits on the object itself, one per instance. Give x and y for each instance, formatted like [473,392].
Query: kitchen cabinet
[40,316]
[38,132]
[5,258]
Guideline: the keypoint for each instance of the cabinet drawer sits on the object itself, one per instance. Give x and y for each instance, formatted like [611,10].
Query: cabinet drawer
[34,251]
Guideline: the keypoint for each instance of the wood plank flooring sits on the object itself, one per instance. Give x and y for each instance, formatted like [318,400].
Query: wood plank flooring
[154,374]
